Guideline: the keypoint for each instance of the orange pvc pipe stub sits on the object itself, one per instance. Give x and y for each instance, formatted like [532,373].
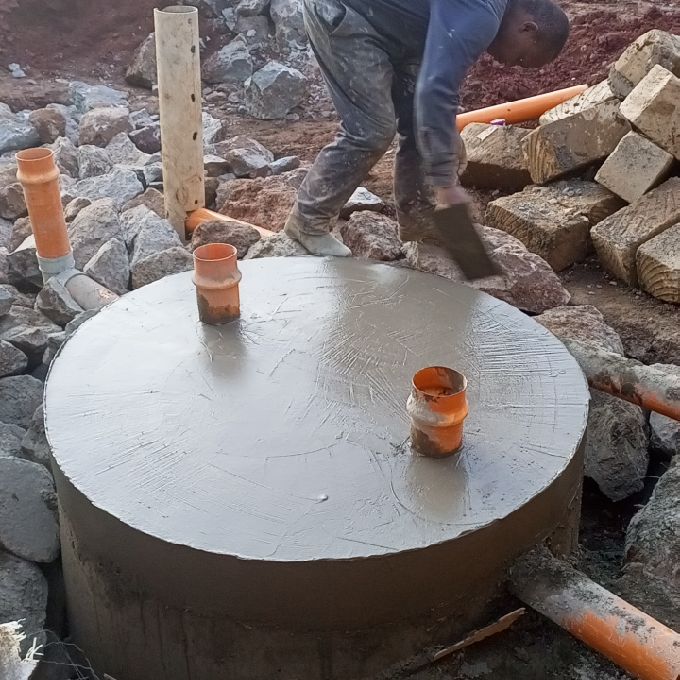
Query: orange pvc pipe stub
[521,110]
[39,176]
[202,215]
[438,407]
[216,276]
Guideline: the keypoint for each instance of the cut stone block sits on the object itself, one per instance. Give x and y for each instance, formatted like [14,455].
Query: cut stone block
[650,49]
[557,149]
[634,167]
[597,94]
[618,237]
[653,107]
[658,263]
[494,157]
[554,221]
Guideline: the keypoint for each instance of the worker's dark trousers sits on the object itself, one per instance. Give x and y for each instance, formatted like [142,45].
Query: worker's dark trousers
[372,86]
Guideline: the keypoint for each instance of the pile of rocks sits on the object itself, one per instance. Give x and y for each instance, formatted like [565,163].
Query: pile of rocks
[605,166]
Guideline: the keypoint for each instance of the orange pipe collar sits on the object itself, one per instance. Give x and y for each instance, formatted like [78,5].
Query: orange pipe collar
[202,215]
[521,110]
[39,176]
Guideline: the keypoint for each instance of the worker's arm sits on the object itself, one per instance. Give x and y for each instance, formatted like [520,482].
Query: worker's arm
[459,32]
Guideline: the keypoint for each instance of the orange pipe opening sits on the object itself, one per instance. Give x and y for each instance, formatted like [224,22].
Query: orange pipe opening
[216,276]
[438,407]
[202,215]
[521,110]
[39,176]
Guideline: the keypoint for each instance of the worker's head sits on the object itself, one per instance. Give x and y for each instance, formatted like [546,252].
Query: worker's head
[532,33]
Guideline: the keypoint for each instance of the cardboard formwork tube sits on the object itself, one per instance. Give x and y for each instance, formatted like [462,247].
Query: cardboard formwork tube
[520,110]
[203,215]
[438,407]
[216,276]
[39,177]
[630,638]
[179,92]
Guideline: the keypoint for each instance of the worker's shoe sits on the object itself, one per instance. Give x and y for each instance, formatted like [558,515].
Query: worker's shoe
[323,244]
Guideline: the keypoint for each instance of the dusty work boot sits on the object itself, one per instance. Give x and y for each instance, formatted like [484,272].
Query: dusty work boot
[323,244]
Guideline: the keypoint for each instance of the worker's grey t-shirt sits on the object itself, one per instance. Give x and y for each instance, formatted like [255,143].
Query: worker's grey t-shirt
[449,36]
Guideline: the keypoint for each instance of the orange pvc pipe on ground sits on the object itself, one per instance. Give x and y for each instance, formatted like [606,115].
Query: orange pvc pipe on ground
[630,638]
[39,176]
[521,110]
[202,215]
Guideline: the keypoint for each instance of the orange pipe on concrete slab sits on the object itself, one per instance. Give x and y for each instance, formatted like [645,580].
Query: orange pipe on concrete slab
[627,636]
[520,110]
[39,176]
[202,215]
[216,276]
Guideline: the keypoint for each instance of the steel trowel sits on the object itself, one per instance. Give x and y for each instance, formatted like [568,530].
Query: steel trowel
[457,234]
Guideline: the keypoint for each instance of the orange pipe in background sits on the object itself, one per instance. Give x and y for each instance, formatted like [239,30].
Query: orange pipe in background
[630,638]
[202,215]
[438,407]
[39,176]
[521,110]
[216,276]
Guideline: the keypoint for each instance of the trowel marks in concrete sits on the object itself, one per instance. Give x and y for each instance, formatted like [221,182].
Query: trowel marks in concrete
[276,448]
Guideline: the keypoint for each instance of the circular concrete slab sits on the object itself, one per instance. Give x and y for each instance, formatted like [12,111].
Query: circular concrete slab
[263,467]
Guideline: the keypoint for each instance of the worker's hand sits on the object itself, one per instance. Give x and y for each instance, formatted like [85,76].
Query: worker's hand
[453,195]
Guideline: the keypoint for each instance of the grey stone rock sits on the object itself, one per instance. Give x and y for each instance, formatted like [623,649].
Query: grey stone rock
[66,156]
[23,265]
[241,235]
[528,281]
[213,129]
[278,245]
[23,596]
[7,299]
[141,118]
[214,166]
[289,23]
[16,131]
[73,326]
[21,230]
[101,125]
[147,139]
[29,527]
[159,265]
[20,395]
[153,236]
[122,149]
[87,97]
[616,447]
[5,233]
[93,161]
[10,440]
[54,343]
[120,184]
[56,303]
[255,30]
[27,329]
[665,434]
[34,446]
[247,163]
[142,69]
[21,299]
[153,176]
[50,124]
[110,267]
[209,8]
[274,90]
[70,115]
[583,323]
[151,199]
[284,164]
[653,536]
[12,360]
[368,234]
[12,201]
[73,208]
[251,8]
[95,225]
[231,64]
[362,199]
[4,268]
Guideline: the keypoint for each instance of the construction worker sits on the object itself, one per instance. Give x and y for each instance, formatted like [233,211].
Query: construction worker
[396,66]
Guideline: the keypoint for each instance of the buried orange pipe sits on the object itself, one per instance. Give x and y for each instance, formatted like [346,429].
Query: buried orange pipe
[628,379]
[521,110]
[39,176]
[630,638]
[202,215]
